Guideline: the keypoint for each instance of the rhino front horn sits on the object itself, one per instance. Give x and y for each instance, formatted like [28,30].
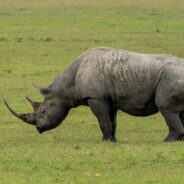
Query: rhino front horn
[28,118]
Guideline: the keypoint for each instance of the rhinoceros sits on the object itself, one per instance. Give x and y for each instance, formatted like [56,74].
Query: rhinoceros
[108,80]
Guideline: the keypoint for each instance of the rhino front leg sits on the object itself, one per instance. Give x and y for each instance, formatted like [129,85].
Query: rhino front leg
[101,110]
[176,128]
[113,114]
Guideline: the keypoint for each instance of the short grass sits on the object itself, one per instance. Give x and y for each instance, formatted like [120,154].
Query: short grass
[40,38]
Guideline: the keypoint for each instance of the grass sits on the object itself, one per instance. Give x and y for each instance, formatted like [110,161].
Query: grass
[40,38]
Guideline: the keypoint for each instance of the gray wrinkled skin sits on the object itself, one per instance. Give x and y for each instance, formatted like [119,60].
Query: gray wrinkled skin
[108,80]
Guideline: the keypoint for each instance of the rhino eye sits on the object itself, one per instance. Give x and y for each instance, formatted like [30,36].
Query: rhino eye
[43,111]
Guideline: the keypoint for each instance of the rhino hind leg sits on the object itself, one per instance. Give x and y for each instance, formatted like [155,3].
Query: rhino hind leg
[181,115]
[176,128]
[101,110]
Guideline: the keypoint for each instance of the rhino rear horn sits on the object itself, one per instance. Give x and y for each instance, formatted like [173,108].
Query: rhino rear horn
[28,118]
[34,104]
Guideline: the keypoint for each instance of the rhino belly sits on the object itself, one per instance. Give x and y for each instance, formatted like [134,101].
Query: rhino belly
[137,108]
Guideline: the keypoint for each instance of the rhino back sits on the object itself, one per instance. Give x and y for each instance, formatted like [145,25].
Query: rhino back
[129,79]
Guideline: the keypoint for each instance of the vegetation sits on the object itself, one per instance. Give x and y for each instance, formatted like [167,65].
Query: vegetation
[40,38]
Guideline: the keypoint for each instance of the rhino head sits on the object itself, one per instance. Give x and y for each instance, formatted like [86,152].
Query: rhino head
[48,114]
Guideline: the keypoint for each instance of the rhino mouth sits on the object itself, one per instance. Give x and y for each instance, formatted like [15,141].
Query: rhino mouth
[39,130]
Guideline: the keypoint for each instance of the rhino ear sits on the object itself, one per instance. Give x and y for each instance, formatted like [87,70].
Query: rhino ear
[44,91]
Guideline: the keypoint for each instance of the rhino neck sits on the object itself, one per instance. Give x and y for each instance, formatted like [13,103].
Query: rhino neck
[64,84]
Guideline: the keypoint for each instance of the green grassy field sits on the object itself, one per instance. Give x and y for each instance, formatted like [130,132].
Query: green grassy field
[40,38]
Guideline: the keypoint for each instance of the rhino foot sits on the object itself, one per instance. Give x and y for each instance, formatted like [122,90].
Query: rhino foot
[111,138]
[172,138]
[181,137]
